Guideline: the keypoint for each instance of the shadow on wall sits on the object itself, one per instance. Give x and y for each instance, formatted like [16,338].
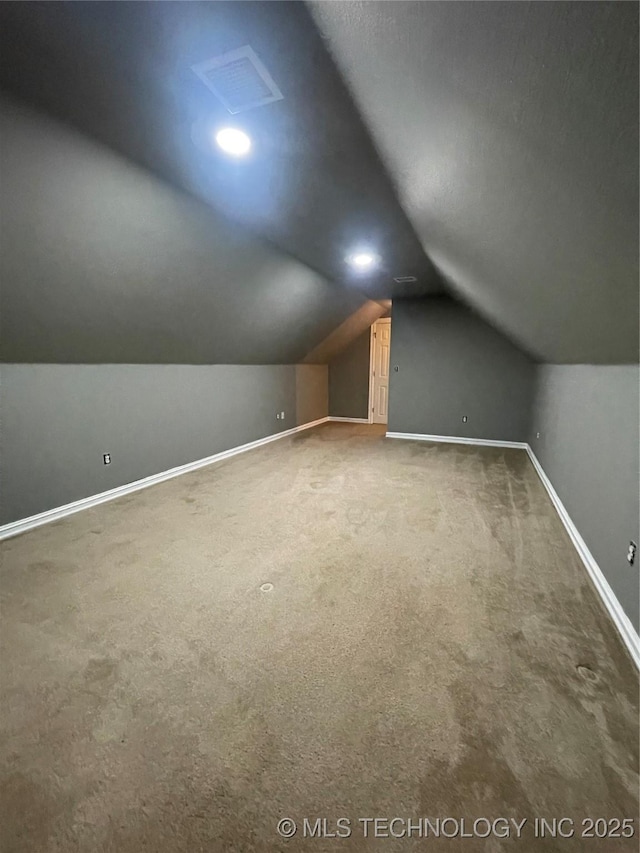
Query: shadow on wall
[349,379]
[312,392]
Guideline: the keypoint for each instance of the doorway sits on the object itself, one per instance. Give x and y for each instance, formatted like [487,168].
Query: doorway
[379,354]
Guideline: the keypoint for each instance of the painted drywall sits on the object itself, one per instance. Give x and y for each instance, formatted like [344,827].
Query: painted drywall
[58,420]
[452,364]
[349,379]
[312,392]
[121,73]
[588,419]
[511,133]
[101,262]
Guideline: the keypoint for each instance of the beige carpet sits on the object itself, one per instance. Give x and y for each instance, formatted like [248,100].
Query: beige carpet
[431,648]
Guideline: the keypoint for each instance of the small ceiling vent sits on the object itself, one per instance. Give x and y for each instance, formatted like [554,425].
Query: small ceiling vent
[405,279]
[239,79]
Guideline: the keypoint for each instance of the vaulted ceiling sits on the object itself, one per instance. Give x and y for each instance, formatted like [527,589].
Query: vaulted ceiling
[102,263]
[122,72]
[511,133]
[490,149]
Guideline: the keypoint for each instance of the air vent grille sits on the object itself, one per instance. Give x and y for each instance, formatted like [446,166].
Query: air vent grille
[405,279]
[239,79]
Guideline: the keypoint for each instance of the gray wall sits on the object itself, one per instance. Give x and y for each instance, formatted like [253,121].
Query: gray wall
[451,364]
[588,421]
[58,420]
[349,380]
[312,392]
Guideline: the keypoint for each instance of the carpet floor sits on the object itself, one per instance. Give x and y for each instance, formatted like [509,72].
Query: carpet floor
[431,648]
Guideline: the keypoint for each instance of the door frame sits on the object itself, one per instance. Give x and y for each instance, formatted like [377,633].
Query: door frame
[371,364]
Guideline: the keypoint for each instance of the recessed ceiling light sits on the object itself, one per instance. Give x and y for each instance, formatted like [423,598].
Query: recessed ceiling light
[233,141]
[362,260]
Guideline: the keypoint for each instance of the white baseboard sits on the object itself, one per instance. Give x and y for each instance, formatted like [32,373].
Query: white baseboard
[348,420]
[627,632]
[620,619]
[15,528]
[451,439]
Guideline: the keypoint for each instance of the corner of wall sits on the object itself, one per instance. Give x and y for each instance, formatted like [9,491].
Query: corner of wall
[312,392]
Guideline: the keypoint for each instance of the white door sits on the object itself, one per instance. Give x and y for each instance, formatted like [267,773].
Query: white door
[381,350]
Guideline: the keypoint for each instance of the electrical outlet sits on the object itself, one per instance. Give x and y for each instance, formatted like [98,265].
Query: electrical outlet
[281,416]
[106,458]
[537,435]
[464,419]
[631,553]
[277,416]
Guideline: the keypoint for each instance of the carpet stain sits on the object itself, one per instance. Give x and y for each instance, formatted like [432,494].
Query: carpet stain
[99,669]
[587,672]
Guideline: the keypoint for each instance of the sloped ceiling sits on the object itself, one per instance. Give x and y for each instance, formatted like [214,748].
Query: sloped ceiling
[102,262]
[347,332]
[511,133]
[486,148]
[314,185]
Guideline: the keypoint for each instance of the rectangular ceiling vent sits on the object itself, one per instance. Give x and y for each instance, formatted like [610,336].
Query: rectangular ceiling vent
[405,279]
[239,79]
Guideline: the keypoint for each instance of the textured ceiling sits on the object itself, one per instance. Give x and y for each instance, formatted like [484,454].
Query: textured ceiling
[511,133]
[100,262]
[314,185]
[492,147]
